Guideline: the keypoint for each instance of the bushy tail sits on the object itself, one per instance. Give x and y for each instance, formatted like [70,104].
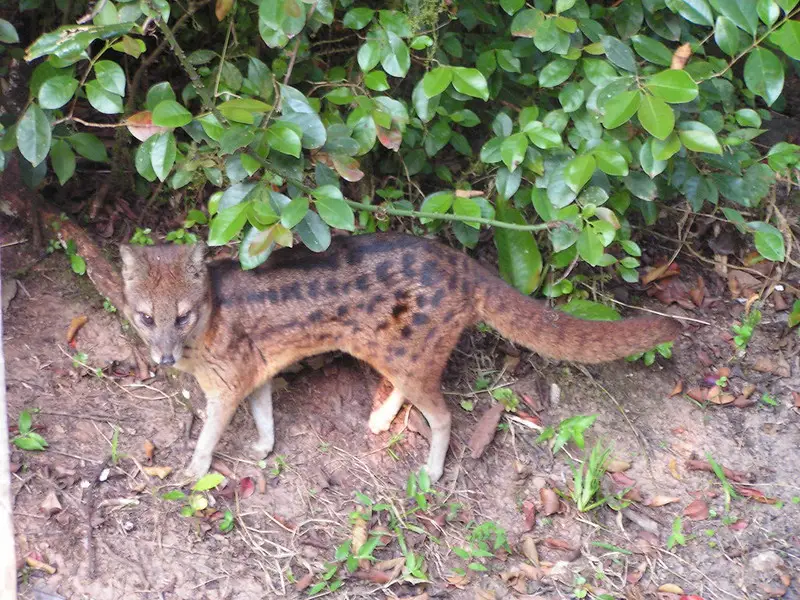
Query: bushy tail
[556,334]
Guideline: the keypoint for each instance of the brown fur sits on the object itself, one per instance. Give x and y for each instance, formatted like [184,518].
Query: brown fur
[400,303]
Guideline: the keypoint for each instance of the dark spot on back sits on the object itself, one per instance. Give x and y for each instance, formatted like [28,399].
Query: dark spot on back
[382,271]
[414,357]
[409,260]
[361,305]
[422,300]
[437,298]
[429,273]
[346,286]
[315,317]
[399,351]
[420,319]
[362,283]
[291,291]
[465,287]
[452,283]
[332,287]
[382,326]
[401,294]
[448,316]
[342,310]
[431,334]
[451,260]
[406,331]
[399,309]
[373,303]
[313,288]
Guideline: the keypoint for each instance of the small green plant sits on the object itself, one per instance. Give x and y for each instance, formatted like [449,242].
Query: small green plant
[587,478]
[769,399]
[115,445]
[142,237]
[794,315]
[76,261]
[507,398]
[418,487]
[27,438]
[393,441]
[730,492]
[676,538]
[580,590]
[570,429]
[226,522]
[484,541]
[744,331]
[722,382]
[279,466]
[181,236]
[197,500]
[108,307]
[649,357]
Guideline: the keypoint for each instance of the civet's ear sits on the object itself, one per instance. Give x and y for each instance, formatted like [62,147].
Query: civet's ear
[197,258]
[134,265]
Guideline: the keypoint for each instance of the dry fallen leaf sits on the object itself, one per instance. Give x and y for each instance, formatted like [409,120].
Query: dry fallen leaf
[305,581]
[701,465]
[622,480]
[50,505]
[755,494]
[659,500]
[615,465]
[673,469]
[550,502]
[359,539]
[681,56]
[246,487]
[529,512]
[697,394]
[696,511]
[670,588]
[660,272]
[75,326]
[39,565]
[149,449]
[160,472]
[529,549]
[141,126]
[484,431]
[698,293]
[677,389]
[558,544]
[458,581]
[222,8]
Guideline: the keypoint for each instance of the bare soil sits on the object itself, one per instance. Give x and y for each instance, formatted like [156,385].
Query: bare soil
[115,537]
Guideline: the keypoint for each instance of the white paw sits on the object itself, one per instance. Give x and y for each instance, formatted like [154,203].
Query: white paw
[197,468]
[378,422]
[434,472]
[263,447]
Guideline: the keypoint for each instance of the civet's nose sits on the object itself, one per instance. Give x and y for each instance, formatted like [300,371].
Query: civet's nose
[167,360]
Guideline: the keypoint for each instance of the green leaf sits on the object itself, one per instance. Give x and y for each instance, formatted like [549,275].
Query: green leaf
[769,241]
[103,100]
[656,117]
[162,154]
[592,311]
[333,209]
[226,225]
[579,171]
[787,5]
[511,6]
[57,91]
[620,108]
[158,93]
[143,162]
[590,246]
[397,60]
[168,113]
[695,11]
[8,33]
[666,149]
[542,137]
[88,146]
[518,255]
[69,40]
[747,117]
[527,22]
[294,212]
[726,35]
[699,137]
[470,82]
[173,495]
[256,246]
[641,186]
[26,443]
[787,38]
[369,55]
[763,75]
[768,11]
[652,50]
[25,422]
[63,159]
[507,183]
[556,72]
[438,203]
[376,80]
[357,18]
[436,81]
[284,139]
[208,482]
[741,12]
[77,264]
[611,162]
[467,207]
[314,232]
[512,150]
[34,135]
[619,53]
[571,97]
[673,85]
[110,76]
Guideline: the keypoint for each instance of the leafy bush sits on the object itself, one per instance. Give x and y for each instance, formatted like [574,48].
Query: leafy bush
[557,124]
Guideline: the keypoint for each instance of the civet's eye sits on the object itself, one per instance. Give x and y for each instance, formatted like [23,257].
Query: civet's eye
[183,319]
[146,319]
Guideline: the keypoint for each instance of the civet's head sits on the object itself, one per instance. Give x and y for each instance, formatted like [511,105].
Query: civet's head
[166,296]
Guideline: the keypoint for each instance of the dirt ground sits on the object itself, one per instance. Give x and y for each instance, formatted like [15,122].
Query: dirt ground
[86,508]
